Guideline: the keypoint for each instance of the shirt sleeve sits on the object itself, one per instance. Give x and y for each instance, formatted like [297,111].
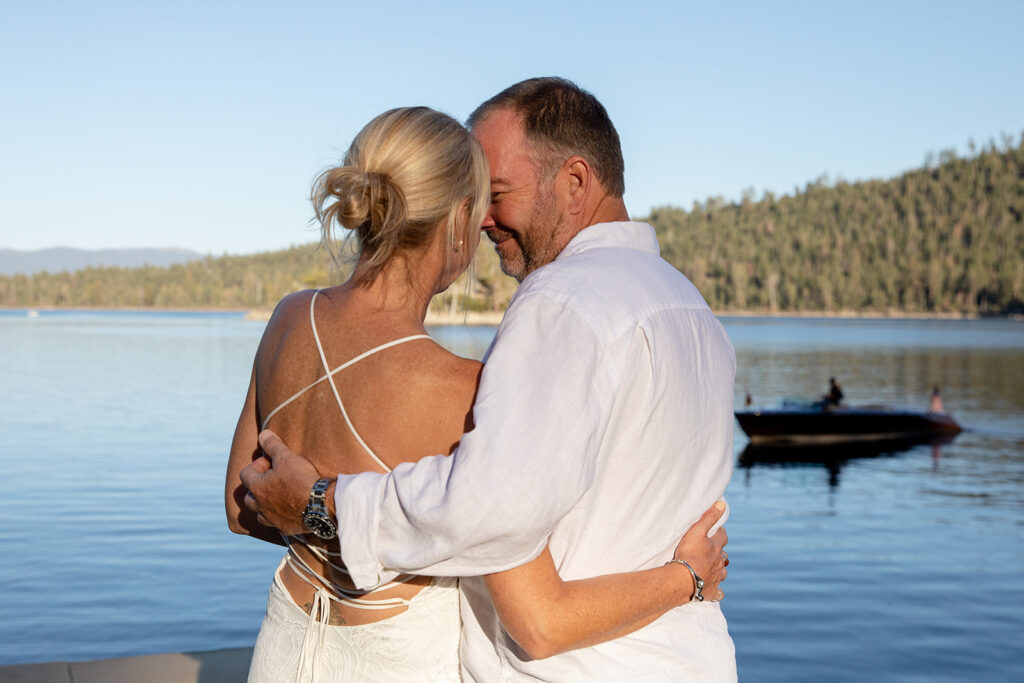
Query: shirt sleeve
[541,412]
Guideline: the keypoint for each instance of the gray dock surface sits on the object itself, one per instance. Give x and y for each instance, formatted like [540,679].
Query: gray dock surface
[214,666]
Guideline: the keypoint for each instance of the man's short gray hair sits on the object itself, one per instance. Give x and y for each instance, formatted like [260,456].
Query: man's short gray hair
[560,120]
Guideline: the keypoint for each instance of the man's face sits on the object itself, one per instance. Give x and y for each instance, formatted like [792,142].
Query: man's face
[523,218]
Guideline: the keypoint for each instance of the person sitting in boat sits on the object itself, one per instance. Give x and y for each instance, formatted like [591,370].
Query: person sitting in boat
[935,404]
[835,393]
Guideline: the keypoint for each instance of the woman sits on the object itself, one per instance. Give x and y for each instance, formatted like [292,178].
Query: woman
[348,376]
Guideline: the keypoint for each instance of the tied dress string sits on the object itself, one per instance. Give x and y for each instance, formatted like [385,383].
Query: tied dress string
[326,590]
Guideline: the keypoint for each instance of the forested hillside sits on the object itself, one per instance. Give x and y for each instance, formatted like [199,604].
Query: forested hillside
[947,238]
[256,281]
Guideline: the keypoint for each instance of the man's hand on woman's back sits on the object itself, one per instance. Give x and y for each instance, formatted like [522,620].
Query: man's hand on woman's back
[279,484]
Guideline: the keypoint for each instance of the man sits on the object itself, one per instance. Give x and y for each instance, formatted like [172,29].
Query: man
[603,419]
[835,393]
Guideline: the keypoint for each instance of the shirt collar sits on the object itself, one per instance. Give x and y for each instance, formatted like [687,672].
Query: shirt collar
[623,234]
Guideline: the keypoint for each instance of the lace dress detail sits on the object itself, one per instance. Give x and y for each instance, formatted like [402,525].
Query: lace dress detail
[420,644]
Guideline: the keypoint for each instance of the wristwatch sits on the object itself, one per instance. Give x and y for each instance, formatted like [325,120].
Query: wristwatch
[315,517]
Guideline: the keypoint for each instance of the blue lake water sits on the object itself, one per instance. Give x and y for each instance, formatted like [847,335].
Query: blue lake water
[897,566]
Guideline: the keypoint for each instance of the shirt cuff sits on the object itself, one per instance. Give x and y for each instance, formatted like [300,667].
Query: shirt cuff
[357,498]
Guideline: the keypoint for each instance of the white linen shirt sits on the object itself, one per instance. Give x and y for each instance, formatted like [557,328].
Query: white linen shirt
[604,428]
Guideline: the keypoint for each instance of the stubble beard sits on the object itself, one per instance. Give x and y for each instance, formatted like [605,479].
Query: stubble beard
[538,245]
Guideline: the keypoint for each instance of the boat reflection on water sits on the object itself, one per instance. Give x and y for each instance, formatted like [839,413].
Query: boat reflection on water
[834,455]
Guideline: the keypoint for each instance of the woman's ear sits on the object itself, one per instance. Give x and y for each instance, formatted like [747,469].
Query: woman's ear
[461,217]
[458,219]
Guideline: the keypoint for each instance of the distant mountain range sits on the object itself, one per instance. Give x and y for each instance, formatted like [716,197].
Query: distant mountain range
[57,259]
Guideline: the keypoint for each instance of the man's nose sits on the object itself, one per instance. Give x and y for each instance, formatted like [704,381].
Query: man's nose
[488,220]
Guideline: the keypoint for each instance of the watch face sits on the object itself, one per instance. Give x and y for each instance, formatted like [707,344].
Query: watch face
[320,524]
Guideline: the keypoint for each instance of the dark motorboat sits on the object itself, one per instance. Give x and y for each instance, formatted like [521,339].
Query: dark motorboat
[806,422]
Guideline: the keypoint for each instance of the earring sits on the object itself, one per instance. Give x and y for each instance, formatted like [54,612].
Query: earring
[456,247]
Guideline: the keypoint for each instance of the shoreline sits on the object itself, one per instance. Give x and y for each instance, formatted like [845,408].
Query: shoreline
[494,317]
[867,315]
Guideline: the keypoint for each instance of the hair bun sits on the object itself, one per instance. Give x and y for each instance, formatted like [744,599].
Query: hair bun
[386,201]
[367,201]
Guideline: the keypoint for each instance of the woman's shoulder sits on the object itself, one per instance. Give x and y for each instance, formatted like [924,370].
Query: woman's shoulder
[292,304]
[282,324]
[289,310]
[444,390]
[453,362]
[438,372]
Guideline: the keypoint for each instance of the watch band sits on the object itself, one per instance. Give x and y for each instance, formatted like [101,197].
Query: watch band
[318,494]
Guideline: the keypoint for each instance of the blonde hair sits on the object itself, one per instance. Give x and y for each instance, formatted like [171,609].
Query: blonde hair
[406,171]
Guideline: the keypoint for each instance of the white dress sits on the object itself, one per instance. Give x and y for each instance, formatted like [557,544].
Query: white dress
[420,644]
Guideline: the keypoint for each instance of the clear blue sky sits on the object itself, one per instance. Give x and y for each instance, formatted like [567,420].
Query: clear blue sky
[202,124]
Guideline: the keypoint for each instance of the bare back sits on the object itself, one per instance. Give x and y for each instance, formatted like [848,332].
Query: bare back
[410,398]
